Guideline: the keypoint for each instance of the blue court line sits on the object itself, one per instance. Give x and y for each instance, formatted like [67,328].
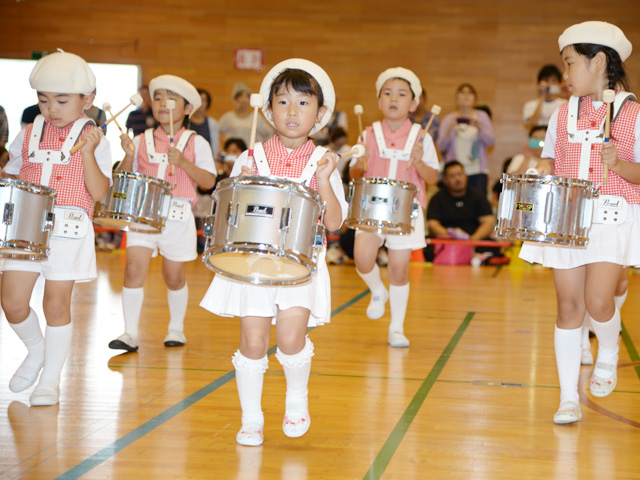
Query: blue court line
[110,450]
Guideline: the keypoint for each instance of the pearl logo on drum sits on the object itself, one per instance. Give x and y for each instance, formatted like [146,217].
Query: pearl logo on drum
[259,211]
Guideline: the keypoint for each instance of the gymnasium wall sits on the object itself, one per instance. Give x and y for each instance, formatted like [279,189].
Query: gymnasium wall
[498,46]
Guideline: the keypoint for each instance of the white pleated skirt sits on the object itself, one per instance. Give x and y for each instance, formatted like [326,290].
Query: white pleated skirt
[231,298]
[618,244]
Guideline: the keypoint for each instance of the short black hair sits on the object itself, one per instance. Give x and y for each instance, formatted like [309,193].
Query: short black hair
[549,71]
[237,141]
[537,128]
[206,94]
[451,164]
[299,81]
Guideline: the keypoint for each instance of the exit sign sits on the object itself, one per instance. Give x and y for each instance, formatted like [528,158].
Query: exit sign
[249,59]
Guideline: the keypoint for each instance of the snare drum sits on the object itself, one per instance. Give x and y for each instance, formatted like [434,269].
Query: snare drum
[547,209]
[27,219]
[264,230]
[382,205]
[135,202]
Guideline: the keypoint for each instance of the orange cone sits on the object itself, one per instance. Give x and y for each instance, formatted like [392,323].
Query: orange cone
[417,256]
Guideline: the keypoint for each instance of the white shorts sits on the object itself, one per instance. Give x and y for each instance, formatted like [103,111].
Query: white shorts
[177,242]
[231,298]
[69,259]
[414,241]
[618,244]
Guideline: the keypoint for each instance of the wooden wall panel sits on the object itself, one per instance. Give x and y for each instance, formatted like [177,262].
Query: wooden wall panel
[498,46]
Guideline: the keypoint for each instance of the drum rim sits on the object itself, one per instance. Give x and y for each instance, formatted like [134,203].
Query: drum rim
[101,214]
[547,180]
[276,182]
[384,181]
[142,176]
[380,226]
[39,252]
[536,236]
[29,187]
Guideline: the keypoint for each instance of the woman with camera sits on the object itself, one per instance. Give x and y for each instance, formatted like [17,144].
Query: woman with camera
[551,94]
[465,135]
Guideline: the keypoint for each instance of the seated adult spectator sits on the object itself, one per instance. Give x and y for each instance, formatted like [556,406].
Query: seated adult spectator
[142,117]
[457,210]
[551,94]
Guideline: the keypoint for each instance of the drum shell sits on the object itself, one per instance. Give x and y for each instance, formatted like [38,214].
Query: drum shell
[382,205]
[27,219]
[548,209]
[247,215]
[135,202]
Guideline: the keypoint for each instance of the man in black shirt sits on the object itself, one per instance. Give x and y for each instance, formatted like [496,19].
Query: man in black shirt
[142,117]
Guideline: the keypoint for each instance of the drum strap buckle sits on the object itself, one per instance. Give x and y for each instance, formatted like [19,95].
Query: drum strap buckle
[610,210]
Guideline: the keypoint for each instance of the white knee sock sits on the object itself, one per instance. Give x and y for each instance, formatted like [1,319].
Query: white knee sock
[297,368]
[398,300]
[585,331]
[568,347]
[249,380]
[132,299]
[178,301]
[619,300]
[57,341]
[373,280]
[607,334]
[31,335]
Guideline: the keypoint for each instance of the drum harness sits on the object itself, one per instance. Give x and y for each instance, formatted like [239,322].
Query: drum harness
[603,204]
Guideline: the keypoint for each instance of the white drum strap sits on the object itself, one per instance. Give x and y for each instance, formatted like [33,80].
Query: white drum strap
[262,164]
[162,159]
[588,137]
[395,155]
[48,158]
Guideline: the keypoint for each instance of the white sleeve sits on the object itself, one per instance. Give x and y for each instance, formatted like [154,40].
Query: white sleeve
[204,155]
[136,143]
[338,190]
[549,149]
[364,142]
[14,164]
[636,147]
[429,155]
[104,158]
[516,162]
[528,109]
[241,161]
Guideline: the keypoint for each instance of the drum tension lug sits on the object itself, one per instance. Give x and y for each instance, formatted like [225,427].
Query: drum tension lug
[7,217]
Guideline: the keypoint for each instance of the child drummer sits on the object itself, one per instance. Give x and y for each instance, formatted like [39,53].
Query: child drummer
[299,100]
[586,278]
[391,145]
[41,154]
[184,165]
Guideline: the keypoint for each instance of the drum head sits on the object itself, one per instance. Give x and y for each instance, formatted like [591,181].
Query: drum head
[258,268]
[127,223]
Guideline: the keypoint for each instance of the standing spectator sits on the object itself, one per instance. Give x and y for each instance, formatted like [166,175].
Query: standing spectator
[4,127]
[204,125]
[142,117]
[96,114]
[423,114]
[237,123]
[465,135]
[338,120]
[550,96]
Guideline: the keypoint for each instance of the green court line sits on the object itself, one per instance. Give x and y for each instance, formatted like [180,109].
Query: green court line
[633,353]
[381,462]
[110,450]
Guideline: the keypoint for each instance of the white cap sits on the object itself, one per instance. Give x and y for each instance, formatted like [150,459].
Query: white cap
[598,33]
[404,74]
[62,72]
[179,86]
[238,88]
[312,69]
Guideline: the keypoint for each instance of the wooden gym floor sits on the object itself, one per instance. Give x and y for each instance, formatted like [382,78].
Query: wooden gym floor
[472,398]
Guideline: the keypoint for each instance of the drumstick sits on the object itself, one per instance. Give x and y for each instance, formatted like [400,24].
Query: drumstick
[135,100]
[608,96]
[358,110]
[357,151]
[435,111]
[171,104]
[107,108]
[256,101]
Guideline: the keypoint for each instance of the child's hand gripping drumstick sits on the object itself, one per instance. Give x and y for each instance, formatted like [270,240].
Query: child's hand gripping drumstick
[357,151]
[435,111]
[358,110]
[135,100]
[256,101]
[608,96]
[107,108]
[171,104]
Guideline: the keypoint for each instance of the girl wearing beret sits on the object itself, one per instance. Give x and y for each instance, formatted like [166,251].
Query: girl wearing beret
[189,162]
[586,277]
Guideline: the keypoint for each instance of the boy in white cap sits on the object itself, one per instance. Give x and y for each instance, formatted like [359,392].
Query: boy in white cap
[184,165]
[299,99]
[575,147]
[390,145]
[41,154]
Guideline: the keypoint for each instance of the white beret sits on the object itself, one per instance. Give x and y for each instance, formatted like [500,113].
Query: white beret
[179,86]
[404,74]
[312,69]
[598,33]
[62,72]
